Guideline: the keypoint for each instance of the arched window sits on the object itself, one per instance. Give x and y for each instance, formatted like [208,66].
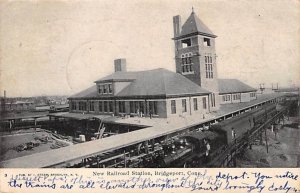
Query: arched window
[187,62]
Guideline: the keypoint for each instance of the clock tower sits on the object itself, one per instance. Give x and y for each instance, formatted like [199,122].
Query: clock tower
[195,55]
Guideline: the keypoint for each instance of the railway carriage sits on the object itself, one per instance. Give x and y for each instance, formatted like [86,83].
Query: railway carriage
[220,135]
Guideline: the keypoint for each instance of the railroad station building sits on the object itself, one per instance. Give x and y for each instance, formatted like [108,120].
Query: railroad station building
[193,89]
[235,91]
[139,94]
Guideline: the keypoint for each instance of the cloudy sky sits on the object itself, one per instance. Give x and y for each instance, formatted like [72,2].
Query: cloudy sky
[60,47]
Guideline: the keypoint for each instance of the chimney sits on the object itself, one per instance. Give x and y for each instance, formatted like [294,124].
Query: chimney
[177,25]
[120,65]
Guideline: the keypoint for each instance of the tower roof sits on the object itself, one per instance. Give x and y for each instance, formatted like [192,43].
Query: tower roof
[194,25]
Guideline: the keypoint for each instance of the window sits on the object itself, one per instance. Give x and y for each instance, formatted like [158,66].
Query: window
[252,94]
[104,89]
[105,106]
[141,106]
[82,106]
[92,107]
[204,102]
[186,43]
[121,106]
[173,107]
[213,100]
[132,107]
[100,89]
[206,42]
[236,97]
[100,106]
[111,109]
[110,88]
[226,97]
[73,105]
[195,101]
[183,101]
[153,107]
[187,63]
[208,66]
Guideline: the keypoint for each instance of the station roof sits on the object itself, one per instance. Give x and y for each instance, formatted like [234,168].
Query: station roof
[233,86]
[159,82]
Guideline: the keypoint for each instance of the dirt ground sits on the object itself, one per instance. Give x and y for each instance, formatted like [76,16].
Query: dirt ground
[9,142]
[283,151]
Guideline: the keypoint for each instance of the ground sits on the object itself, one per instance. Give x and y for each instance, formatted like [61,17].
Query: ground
[9,143]
[283,151]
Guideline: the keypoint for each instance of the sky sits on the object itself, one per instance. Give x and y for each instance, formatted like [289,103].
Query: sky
[61,47]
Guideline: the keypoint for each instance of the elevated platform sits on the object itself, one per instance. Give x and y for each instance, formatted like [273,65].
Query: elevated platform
[60,157]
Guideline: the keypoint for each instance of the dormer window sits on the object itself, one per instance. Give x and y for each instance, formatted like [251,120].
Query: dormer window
[206,42]
[100,89]
[186,43]
[109,88]
[105,88]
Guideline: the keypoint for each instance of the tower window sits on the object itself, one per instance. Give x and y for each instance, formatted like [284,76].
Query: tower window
[187,63]
[208,66]
[206,42]
[186,43]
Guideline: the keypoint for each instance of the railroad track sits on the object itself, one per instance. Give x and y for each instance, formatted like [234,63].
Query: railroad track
[227,157]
